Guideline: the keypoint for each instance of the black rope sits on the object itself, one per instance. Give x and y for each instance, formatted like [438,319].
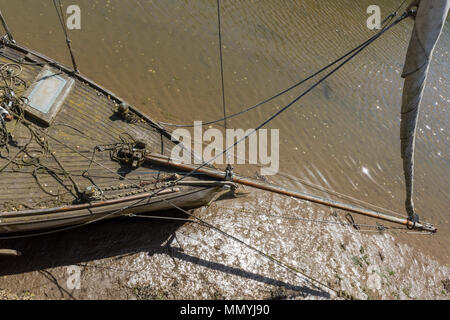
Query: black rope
[222,78]
[221,65]
[393,14]
[61,18]
[404,16]
[234,238]
[370,40]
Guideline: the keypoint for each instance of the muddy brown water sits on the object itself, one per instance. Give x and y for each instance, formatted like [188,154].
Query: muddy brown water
[162,57]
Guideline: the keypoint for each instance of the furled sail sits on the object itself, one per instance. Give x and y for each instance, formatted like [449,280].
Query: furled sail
[430,19]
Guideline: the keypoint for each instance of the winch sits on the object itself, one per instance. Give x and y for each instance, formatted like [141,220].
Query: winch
[131,154]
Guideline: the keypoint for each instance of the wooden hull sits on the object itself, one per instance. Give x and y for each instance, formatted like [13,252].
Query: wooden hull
[63,217]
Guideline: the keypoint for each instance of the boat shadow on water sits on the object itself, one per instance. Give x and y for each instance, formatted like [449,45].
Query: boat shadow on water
[119,239]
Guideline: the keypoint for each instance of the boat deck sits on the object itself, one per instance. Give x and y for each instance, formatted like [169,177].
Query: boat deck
[44,165]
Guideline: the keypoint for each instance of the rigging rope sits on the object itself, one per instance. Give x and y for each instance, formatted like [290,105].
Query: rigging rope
[312,185]
[222,75]
[278,113]
[370,40]
[61,17]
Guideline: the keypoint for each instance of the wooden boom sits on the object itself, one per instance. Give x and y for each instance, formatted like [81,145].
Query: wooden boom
[221,175]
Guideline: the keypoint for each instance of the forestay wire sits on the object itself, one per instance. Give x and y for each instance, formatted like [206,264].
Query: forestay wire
[278,113]
[384,24]
[61,17]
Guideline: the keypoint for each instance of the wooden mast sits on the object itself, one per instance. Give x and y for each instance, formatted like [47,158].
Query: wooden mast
[5,26]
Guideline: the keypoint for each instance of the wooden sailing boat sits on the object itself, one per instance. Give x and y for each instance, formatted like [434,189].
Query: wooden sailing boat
[75,153]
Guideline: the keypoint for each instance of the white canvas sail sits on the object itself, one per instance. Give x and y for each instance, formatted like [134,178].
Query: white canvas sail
[430,19]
